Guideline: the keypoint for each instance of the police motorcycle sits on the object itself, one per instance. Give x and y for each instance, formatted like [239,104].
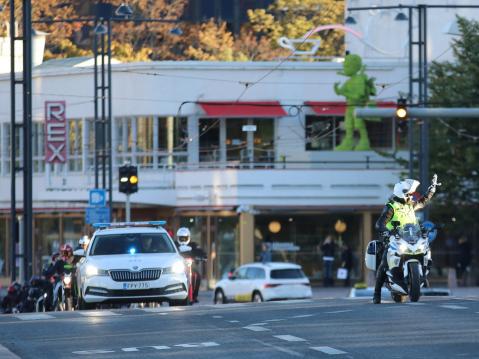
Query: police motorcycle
[408,258]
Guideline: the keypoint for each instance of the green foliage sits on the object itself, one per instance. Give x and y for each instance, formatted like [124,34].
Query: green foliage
[454,142]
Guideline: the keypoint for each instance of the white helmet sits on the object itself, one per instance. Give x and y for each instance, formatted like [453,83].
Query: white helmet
[183,236]
[406,187]
[84,240]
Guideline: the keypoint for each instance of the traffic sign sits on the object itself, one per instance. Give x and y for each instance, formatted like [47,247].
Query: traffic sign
[97,215]
[97,198]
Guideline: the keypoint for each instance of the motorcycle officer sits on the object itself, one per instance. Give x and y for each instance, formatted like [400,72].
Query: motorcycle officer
[193,251]
[402,208]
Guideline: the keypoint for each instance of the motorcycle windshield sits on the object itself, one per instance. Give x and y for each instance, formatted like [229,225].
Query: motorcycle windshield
[410,233]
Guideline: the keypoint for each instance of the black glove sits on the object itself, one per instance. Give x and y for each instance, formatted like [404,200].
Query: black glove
[385,234]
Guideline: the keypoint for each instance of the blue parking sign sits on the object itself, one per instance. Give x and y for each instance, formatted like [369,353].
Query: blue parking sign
[97,215]
[97,198]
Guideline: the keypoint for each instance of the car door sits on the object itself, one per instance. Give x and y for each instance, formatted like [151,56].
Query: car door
[255,277]
[233,288]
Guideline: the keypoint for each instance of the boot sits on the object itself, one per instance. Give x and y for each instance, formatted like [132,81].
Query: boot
[377,298]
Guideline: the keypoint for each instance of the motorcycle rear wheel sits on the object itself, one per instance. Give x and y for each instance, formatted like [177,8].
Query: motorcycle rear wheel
[414,282]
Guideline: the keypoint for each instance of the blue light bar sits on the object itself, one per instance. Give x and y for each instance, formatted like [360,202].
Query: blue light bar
[129,224]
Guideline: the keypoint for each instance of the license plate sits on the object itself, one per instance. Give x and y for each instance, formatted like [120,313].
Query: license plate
[136,285]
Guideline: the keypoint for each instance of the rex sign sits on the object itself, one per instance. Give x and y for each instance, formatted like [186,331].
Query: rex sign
[55,132]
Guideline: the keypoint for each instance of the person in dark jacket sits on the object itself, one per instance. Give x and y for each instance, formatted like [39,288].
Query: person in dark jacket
[328,259]
[401,208]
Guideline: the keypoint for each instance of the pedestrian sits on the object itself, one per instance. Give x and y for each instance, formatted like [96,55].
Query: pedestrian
[328,259]
[463,264]
[347,263]
[266,255]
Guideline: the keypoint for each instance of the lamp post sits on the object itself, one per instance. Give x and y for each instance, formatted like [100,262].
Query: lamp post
[421,79]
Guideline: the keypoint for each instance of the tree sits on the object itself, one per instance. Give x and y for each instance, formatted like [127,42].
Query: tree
[294,18]
[454,142]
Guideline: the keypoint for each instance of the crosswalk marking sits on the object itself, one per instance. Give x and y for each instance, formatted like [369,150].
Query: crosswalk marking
[303,316]
[101,313]
[328,350]
[290,338]
[34,316]
[256,328]
[7,354]
[452,306]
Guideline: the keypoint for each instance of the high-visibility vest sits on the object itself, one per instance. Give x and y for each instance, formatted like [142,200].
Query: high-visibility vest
[403,213]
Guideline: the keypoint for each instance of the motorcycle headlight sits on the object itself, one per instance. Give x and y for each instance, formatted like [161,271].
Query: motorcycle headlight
[421,247]
[92,271]
[402,248]
[177,268]
[67,280]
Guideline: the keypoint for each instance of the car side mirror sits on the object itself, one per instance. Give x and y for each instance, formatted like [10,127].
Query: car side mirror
[79,252]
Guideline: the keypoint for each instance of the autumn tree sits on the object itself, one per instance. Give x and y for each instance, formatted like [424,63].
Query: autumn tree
[294,18]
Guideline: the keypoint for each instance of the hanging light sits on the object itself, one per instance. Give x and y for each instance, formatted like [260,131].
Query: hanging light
[100,29]
[350,20]
[124,10]
[401,17]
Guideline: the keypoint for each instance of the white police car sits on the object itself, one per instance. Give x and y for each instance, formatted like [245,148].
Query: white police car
[131,262]
[260,282]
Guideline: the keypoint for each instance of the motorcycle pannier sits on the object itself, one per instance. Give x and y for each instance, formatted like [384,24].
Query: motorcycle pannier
[370,256]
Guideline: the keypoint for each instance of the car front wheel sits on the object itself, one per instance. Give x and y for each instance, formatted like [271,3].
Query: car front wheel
[219,297]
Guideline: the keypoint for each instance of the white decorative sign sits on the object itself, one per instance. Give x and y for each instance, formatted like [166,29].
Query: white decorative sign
[55,132]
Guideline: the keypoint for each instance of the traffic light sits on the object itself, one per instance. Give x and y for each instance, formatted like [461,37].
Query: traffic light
[128,177]
[401,109]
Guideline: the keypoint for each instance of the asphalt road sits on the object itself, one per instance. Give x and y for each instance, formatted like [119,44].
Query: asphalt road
[436,327]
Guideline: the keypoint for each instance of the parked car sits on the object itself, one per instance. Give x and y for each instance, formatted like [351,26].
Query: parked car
[260,282]
[131,262]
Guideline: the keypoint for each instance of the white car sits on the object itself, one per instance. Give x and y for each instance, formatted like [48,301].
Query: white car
[260,282]
[131,263]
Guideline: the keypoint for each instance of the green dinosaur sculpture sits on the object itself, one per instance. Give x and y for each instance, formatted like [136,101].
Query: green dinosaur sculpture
[357,90]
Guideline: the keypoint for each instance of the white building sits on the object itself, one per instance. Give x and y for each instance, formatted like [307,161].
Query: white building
[182,124]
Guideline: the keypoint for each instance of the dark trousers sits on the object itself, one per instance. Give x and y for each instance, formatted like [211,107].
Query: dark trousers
[381,272]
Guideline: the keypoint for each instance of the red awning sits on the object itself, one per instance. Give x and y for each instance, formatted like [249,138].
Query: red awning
[337,108]
[243,109]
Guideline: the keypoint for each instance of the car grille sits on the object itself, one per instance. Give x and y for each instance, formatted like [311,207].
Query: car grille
[129,276]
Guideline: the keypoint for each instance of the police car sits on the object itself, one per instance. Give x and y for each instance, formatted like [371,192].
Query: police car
[131,262]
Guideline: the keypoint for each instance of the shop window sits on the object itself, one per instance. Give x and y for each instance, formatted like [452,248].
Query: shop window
[236,146]
[324,133]
[75,137]
[209,133]
[264,140]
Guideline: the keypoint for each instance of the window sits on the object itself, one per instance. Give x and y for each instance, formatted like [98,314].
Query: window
[209,133]
[75,136]
[255,273]
[236,147]
[132,243]
[324,133]
[287,274]
[240,273]
[264,140]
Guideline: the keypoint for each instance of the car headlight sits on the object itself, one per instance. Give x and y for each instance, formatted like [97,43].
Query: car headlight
[177,268]
[94,271]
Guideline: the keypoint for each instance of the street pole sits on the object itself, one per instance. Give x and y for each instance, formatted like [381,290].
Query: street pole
[127,208]
[109,128]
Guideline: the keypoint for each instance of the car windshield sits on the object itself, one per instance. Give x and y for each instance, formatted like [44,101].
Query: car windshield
[131,243]
[410,233]
[292,273]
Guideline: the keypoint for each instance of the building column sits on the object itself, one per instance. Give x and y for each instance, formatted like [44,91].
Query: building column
[366,237]
[246,234]
[223,154]
[193,141]
[170,139]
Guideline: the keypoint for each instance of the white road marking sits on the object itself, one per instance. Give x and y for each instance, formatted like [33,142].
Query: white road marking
[274,320]
[34,316]
[93,352]
[259,324]
[284,350]
[339,311]
[217,316]
[328,350]
[159,347]
[415,303]
[303,316]
[198,345]
[233,321]
[232,305]
[7,354]
[451,306]
[157,310]
[133,349]
[101,313]
[289,338]
[256,328]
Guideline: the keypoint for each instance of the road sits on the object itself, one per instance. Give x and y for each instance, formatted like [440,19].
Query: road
[436,327]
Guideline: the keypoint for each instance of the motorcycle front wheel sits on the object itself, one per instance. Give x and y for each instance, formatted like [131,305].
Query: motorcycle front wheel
[414,282]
